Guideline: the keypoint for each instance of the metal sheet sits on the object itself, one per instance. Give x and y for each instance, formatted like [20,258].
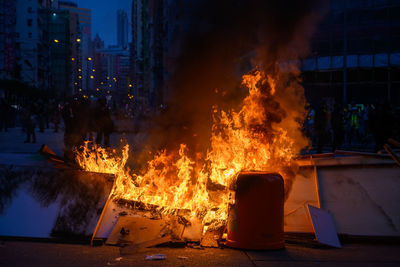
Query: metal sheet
[42,201]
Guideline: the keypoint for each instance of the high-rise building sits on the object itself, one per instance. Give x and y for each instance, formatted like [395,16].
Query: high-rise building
[28,40]
[157,28]
[122,29]
[83,71]
[356,53]
[60,51]
[98,71]
[7,39]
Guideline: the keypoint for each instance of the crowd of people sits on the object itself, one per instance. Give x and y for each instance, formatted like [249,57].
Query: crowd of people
[336,126]
[81,119]
[328,126]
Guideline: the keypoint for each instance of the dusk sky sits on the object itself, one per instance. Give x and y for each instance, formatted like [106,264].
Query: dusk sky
[104,17]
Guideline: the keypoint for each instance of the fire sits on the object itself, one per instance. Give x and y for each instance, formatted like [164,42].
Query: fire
[246,139]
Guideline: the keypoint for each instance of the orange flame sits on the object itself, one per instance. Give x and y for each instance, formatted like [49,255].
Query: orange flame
[238,142]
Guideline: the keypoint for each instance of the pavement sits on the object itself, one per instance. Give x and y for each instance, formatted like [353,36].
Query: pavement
[13,253]
[12,141]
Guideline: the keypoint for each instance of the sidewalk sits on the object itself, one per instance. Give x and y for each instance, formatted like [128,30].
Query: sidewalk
[14,253]
[13,140]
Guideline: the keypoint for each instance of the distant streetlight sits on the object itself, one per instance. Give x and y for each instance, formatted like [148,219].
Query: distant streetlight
[130,85]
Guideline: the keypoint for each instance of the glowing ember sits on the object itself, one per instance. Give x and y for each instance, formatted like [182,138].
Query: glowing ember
[247,139]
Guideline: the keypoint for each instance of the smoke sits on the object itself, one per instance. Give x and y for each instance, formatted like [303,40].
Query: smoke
[223,40]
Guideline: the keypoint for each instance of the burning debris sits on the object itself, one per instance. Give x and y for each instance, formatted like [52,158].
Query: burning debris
[215,130]
[201,188]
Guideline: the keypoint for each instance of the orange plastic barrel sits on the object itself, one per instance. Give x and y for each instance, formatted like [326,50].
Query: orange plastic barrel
[256,218]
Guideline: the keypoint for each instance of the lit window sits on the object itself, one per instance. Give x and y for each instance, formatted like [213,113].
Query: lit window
[91,77]
[80,77]
[56,41]
[73,59]
[89,58]
[79,70]
[93,70]
[78,40]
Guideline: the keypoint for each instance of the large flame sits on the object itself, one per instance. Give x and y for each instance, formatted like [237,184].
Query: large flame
[245,139]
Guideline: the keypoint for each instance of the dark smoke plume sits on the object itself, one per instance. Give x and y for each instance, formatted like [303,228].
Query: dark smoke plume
[224,40]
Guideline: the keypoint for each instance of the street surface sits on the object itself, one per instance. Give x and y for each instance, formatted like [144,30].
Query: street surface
[13,253]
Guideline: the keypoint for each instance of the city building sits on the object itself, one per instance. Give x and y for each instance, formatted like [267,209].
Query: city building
[115,80]
[122,29]
[98,74]
[7,39]
[83,69]
[28,39]
[156,31]
[356,54]
[60,52]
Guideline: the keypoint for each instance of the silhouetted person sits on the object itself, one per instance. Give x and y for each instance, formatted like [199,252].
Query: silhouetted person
[29,120]
[4,110]
[338,127]
[384,125]
[320,126]
[104,123]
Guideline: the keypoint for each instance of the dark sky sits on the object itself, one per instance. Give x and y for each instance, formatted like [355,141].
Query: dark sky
[104,17]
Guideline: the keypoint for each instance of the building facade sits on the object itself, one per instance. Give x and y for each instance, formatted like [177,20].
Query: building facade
[8,17]
[157,26]
[356,53]
[83,68]
[122,29]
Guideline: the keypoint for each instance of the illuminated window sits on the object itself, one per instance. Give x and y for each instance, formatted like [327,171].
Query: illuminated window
[73,59]
[89,58]
[91,76]
[78,40]
[56,41]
